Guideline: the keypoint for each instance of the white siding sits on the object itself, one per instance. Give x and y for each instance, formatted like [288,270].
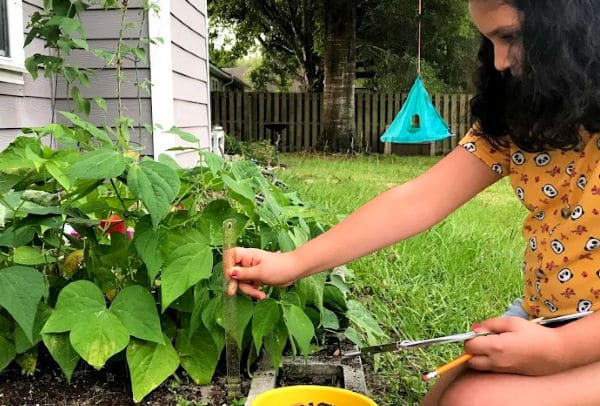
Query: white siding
[190,68]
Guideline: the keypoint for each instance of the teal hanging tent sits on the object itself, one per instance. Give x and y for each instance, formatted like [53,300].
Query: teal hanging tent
[418,120]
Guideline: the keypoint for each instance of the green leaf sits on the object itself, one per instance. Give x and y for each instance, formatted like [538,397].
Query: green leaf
[169,161]
[140,53]
[201,296]
[21,289]
[351,334]
[275,343]
[107,56]
[214,162]
[149,365]
[245,170]
[31,64]
[99,336]
[147,242]
[184,135]
[59,166]
[99,164]
[76,301]
[199,355]
[7,353]
[266,314]
[213,216]
[285,242]
[101,103]
[66,24]
[81,43]
[87,126]
[237,318]
[186,266]
[13,200]
[242,188]
[362,318]
[212,317]
[310,290]
[31,256]
[156,184]
[22,343]
[299,326]
[59,346]
[21,236]
[330,320]
[334,299]
[136,309]
[7,181]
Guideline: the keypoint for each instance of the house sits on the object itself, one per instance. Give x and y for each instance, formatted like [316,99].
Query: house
[241,72]
[223,81]
[177,68]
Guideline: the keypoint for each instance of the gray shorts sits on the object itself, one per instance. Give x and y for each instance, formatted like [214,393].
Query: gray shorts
[515,310]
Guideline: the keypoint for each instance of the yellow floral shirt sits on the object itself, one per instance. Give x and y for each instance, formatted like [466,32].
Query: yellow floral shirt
[561,190]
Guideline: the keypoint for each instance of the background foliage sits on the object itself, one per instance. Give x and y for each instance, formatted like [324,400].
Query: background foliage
[386,39]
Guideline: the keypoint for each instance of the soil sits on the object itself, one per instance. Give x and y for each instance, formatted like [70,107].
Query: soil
[109,386]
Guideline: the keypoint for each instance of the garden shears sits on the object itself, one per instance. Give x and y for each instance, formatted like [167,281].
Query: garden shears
[408,344]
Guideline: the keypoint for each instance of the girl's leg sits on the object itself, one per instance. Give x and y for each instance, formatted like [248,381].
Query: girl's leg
[432,398]
[574,387]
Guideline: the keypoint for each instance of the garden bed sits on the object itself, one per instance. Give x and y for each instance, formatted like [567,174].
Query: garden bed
[108,386]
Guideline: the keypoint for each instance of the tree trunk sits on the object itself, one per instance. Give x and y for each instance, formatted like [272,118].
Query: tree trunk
[339,59]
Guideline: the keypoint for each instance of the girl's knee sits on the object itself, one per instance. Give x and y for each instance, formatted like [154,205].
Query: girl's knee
[466,391]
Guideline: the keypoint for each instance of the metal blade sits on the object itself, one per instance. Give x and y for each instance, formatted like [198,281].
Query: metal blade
[407,344]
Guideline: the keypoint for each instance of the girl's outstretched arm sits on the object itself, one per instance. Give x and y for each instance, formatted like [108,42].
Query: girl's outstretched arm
[394,215]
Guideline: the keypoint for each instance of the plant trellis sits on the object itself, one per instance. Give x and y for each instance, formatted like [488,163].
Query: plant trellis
[418,120]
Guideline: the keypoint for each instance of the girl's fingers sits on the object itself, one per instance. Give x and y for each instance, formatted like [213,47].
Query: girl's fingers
[232,287]
[480,363]
[244,274]
[250,290]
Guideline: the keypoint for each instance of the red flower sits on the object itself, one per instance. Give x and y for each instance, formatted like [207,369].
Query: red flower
[113,224]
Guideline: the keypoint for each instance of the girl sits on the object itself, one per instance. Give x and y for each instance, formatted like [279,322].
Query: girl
[537,111]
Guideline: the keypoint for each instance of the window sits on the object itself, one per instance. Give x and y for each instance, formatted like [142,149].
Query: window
[12,56]
[4,44]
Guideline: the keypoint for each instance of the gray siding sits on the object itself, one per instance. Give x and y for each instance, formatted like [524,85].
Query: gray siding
[30,104]
[190,76]
[102,29]
[27,105]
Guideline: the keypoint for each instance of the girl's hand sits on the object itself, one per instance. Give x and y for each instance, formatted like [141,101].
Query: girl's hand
[519,346]
[254,268]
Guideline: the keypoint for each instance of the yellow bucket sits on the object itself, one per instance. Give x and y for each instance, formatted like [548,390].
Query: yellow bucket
[305,394]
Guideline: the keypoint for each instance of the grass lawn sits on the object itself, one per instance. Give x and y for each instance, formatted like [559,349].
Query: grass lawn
[464,270]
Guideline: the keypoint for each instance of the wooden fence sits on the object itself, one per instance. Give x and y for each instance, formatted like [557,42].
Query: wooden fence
[295,119]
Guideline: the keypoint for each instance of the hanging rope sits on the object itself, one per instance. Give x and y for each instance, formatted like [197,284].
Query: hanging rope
[419,41]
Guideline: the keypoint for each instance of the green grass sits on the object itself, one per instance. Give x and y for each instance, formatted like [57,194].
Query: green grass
[464,270]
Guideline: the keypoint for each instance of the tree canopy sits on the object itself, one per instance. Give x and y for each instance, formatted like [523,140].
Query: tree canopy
[290,35]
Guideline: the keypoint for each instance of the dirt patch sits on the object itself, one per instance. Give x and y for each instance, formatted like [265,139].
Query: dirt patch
[109,386]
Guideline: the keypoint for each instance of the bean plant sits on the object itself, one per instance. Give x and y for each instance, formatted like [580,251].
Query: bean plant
[104,251]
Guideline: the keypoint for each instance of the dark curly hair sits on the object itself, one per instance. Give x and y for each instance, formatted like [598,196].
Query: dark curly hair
[558,91]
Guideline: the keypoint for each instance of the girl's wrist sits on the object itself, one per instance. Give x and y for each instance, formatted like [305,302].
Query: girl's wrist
[300,265]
